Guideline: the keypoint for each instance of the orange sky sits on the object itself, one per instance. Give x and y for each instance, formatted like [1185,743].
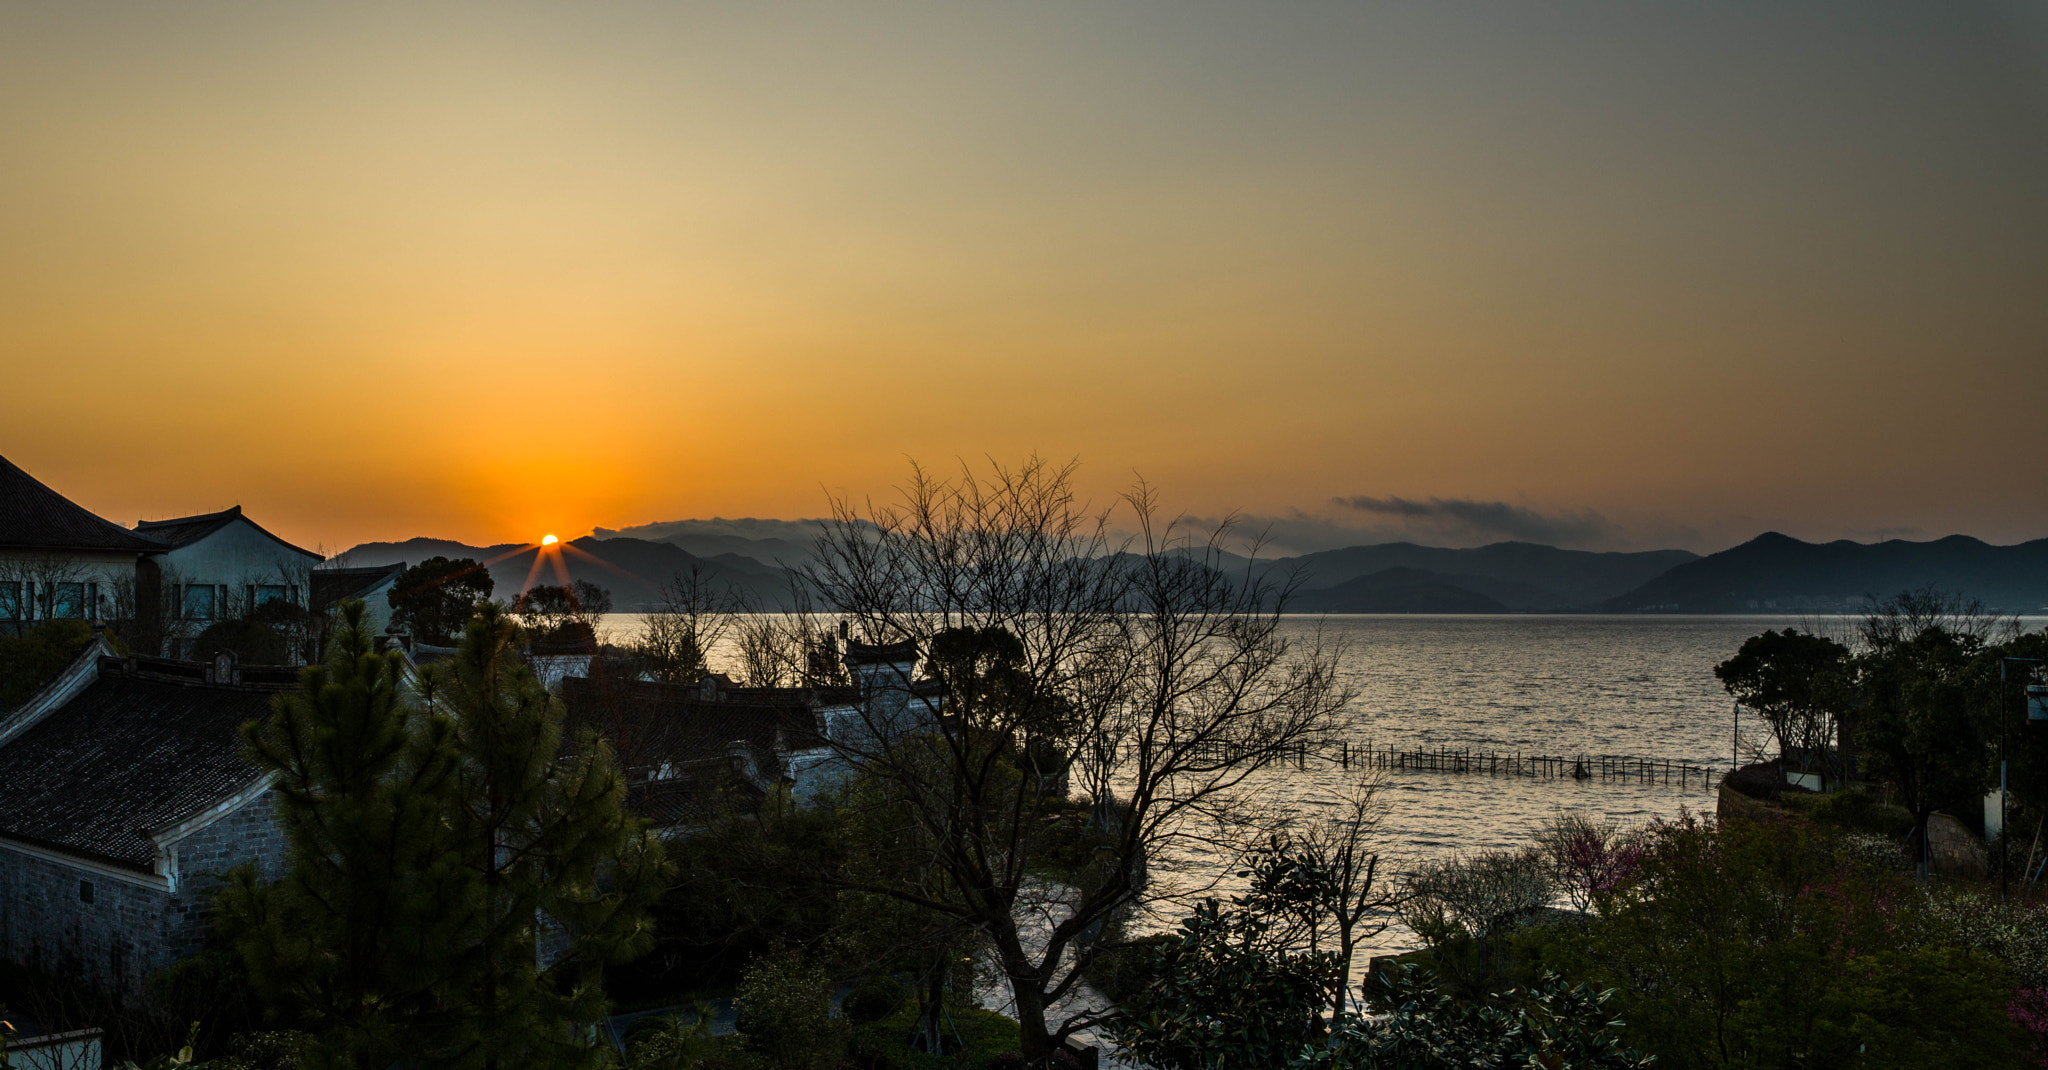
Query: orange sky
[1659,277]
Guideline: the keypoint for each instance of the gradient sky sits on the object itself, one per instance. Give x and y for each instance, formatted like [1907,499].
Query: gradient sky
[1618,275]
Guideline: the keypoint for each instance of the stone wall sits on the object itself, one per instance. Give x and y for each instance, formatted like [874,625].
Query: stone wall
[128,931]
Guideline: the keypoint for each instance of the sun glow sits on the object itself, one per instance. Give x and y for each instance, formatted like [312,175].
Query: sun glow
[548,540]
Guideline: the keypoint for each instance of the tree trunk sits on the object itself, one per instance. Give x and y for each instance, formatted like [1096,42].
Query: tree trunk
[1032,1037]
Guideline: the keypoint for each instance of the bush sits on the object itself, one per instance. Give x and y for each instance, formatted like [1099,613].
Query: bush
[270,1050]
[1470,904]
[670,1042]
[1558,1025]
[784,1009]
[1766,781]
[1857,811]
[873,1001]
[32,660]
[1772,943]
[986,1038]
[1119,972]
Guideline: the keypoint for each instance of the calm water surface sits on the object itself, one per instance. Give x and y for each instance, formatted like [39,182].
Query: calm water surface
[1641,686]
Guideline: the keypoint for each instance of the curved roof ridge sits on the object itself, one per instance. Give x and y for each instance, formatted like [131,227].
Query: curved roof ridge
[35,517]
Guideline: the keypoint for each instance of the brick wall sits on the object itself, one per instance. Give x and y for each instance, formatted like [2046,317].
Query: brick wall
[127,931]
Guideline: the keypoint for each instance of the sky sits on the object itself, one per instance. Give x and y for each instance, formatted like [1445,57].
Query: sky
[1613,276]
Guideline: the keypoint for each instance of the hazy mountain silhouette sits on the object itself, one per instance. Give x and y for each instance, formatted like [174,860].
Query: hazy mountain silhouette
[1520,576]
[1399,590]
[1771,573]
[786,542]
[631,569]
[1774,572]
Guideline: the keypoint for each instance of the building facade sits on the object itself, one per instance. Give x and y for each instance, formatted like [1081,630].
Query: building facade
[126,801]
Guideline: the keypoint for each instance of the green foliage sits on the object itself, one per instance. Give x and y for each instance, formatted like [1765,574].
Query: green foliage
[563,614]
[1860,811]
[1768,944]
[273,633]
[1558,1025]
[1229,992]
[1119,972]
[281,1049]
[976,1038]
[1922,723]
[29,662]
[436,597]
[1463,907]
[874,1000]
[1798,683]
[361,935]
[2014,934]
[673,1042]
[561,871]
[437,854]
[211,988]
[784,1010]
[744,884]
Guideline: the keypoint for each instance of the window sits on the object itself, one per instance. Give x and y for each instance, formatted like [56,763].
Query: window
[198,603]
[269,593]
[10,600]
[67,600]
[85,891]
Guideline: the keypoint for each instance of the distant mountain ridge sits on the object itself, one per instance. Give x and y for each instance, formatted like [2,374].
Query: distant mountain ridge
[1778,573]
[1518,576]
[633,570]
[1771,573]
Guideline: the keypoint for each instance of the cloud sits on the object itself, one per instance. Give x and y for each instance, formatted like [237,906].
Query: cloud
[1467,518]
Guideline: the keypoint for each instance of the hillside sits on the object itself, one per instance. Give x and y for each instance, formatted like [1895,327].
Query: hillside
[1400,590]
[1774,572]
[632,569]
[1521,576]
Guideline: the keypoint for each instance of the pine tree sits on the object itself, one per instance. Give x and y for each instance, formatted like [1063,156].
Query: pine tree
[354,939]
[564,874]
[458,877]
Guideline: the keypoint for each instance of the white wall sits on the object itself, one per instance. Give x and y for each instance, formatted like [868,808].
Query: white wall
[106,571]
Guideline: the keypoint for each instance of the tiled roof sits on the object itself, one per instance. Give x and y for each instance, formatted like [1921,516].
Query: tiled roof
[34,516]
[131,754]
[185,530]
[885,654]
[332,585]
[649,723]
[693,797]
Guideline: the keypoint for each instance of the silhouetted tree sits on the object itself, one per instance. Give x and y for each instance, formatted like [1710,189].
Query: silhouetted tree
[435,597]
[458,876]
[695,612]
[1800,684]
[1920,724]
[1170,682]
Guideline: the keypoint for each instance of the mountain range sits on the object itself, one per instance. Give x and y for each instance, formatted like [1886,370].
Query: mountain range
[1772,573]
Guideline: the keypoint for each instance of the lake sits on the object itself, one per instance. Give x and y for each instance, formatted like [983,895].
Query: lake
[1635,685]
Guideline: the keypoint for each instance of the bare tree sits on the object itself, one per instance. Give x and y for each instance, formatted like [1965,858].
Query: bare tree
[794,648]
[39,586]
[694,616]
[1170,682]
[1589,859]
[1332,880]
[1480,897]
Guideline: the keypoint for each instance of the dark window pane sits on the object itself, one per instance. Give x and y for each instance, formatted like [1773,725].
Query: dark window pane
[199,602]
[67,600]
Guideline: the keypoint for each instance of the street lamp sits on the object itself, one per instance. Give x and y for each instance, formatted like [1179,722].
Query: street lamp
[2037,710]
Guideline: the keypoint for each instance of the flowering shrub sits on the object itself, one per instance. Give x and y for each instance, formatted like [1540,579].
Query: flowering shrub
[2029,1008]
[1587,860]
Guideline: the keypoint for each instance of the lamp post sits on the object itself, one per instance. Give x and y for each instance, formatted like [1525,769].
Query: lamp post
[2036,701]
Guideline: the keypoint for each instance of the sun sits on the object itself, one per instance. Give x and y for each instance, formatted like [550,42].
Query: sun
[548,540]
